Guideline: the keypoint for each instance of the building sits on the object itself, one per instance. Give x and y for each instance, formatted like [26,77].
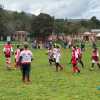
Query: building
[93,34]
[20,36]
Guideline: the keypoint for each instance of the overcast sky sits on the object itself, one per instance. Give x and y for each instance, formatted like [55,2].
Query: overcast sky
[57,8]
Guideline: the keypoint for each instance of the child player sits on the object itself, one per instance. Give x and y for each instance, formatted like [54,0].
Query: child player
[57,59]
[8,50]
[17,53]
[50,56]
[54,52]
[95,58]
[25,59]
[79,57]
[74,60]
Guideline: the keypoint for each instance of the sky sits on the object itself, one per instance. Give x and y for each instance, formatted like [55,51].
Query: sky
[76,9]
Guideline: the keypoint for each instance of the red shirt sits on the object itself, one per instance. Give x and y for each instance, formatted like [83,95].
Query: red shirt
[17,53]
[74,60]
[95,55]
[7,50]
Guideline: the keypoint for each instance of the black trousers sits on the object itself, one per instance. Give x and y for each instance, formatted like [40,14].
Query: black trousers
[25,69]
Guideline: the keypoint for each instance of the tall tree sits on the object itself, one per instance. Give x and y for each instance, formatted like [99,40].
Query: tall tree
[2,20]
[94,23]
[42,25]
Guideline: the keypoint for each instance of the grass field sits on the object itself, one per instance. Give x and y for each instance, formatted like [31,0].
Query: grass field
[47,84]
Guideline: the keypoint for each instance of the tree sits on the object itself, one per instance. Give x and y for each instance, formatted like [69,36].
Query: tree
[42,25]
[2,21]
[94,23]
[58,27]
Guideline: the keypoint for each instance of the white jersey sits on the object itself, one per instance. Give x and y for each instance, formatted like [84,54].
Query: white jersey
[58,55]
[54,52]
[97,53]
[26,56]
[50,54]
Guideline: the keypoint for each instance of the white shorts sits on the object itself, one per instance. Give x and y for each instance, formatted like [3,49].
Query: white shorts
[57,59]
[93,61]
[54,56]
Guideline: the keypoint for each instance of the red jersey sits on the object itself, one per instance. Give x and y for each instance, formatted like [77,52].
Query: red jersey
[17,53]
[7,50]
[74,59]
[95,55]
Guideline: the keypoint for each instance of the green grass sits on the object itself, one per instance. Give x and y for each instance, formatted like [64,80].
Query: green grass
[47,84]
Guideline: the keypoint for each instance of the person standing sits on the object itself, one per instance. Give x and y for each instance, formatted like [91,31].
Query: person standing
[74,61]
[8,50]
[25,60]
[57,59]
[17,53]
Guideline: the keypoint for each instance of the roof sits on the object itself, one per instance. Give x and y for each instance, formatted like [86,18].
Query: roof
[98,35]
[95,30]
[87,33]
[22,32]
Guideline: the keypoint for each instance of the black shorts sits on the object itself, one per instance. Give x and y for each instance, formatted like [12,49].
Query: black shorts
[52,60]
